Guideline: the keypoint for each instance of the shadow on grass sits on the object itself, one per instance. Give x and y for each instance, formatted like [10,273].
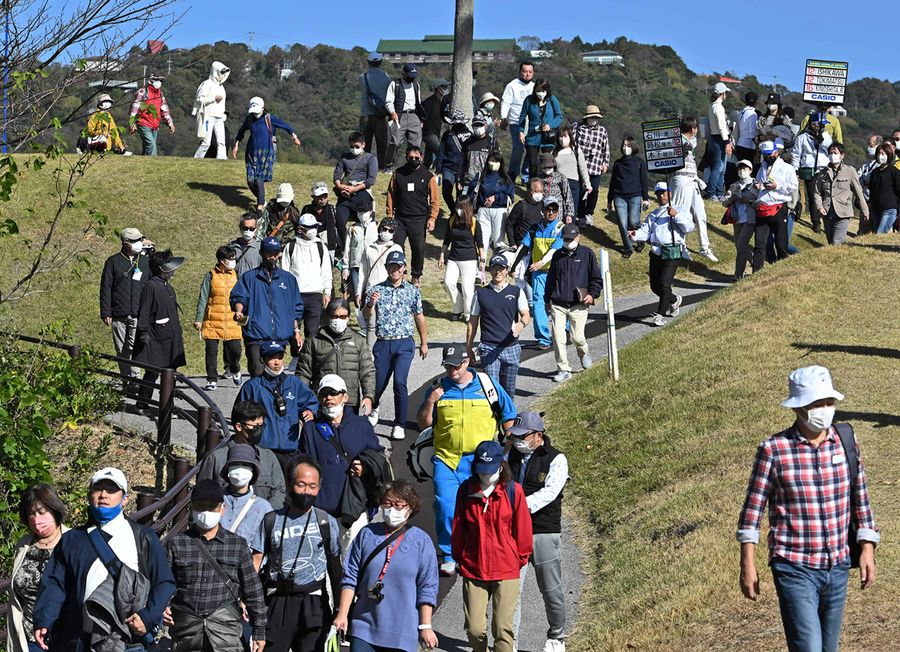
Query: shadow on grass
[854,349]
[230,195]
[891,249]
[877,419]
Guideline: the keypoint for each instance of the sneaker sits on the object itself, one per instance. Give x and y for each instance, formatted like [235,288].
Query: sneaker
[544,347]
[589,219]
[448,568]
[709,254]
[373,417]
[562,376]
[554,645]
[211,386]
[237,378]
[417,281]
[676,306]
[627,254]
[657,320]
[398,433]
[587,361]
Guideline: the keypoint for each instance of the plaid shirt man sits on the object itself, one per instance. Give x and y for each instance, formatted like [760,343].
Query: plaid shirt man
[808,491]
[138,108]
[201,589]
[594,145]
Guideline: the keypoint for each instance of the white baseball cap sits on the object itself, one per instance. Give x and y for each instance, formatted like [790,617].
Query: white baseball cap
[307,220]
[721,88]
[332,382]
[285,193]
[256,106]
[319,188]
[661,186]
[808,385]
[111,473]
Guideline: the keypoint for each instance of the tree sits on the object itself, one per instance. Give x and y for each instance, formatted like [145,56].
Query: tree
[529,43]
[463,29]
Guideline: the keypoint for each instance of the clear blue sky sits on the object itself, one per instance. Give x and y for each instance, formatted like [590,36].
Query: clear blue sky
[827,29]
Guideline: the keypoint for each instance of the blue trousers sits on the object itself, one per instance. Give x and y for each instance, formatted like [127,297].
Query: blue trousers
[516,156]
[393,357]
[539,311]
[446,486]
[148,140]
[359,645]
[812,604]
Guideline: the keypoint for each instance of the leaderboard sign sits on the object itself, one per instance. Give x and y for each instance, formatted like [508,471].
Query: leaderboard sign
[662,145]
[825,81]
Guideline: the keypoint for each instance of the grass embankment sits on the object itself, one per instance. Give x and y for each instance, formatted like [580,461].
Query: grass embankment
[192,206]
[659,462]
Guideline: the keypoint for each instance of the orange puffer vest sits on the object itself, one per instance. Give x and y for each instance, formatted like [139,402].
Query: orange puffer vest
[218,322]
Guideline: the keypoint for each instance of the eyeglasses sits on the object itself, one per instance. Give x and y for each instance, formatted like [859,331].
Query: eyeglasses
[341,316]
[396,504]
[414,158]
[328,393]
[386,230]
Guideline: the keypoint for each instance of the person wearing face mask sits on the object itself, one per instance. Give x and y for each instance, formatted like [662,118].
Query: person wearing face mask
[593,141]
[809,156]
[739,199]
[279,217]
[449,161]
[407,116]
[209,110]
[102,135]
[248,421]
[835,188]
[372,271]
[491,195]
[571,165]
[542,471]
[391,571]
[475,152]
[720,140]
[514,94]
[463,255]
[525,213]
[341,350]
[687,186]
[214,319]
[42,512]
[215,580]
[159,341]
[148,109]
[122,281]
[539,121]
[268,305]
[414,201]
[884,192]
[747,128]
[286,399]
[433,106]
[326,217]
[831,125]
[865,172]
[775,182]
[776,121]
[79,604]
[244,510]
[574,284]
[487,103]
[813,479]
[557,185]
[299,544]
[354,174]
[246,245]
[361,233]
[492,539]
[628,189]
[307,259]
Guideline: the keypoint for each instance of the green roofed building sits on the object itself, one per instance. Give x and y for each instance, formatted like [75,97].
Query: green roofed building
[438,48]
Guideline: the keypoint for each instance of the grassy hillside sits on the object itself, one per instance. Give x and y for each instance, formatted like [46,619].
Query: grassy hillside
[659,462]
[193,207]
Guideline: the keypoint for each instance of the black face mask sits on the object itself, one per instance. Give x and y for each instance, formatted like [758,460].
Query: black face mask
[414,162]
[302,502]
[253,434]
[270,263]
[770,159]
[408,80]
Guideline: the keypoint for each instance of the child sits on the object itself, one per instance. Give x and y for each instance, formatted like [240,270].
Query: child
[215,318]
[740,197]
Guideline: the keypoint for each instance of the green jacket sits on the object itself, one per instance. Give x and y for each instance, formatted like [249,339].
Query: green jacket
[346,355]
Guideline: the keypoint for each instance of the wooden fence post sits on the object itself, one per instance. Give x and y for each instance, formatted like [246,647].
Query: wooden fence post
[204,418]
[145,499]
[213,437]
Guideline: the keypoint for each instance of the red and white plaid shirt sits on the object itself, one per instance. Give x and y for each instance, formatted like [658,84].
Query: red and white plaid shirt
[808,491]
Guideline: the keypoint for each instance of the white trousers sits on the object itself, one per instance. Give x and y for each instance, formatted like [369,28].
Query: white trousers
[493,227]
[217,126]
[467,271]
[686,195]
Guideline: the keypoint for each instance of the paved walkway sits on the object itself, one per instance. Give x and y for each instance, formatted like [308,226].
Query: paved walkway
[534,382]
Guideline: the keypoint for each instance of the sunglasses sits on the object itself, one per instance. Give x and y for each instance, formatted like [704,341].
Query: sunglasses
[552,209]
[386,230]
[414,158]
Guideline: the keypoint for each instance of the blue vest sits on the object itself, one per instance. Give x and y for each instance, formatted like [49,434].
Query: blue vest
[499,311]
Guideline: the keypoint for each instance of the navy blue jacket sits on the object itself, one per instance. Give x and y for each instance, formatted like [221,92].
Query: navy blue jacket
[272,304]
[353,435]
[570,270]
[280,433]
[502,190]
[450,156]
[61,595]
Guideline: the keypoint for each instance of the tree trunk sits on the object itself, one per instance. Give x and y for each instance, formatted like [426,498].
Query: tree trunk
[462,57]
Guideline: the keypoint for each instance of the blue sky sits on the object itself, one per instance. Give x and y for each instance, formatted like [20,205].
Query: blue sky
[832,31]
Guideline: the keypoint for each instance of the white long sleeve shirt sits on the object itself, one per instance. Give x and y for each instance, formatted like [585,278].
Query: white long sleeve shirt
[803,154]
[718,121]
[513,96]
[656,230]
[748,127]
[310,263]
[784,176]
[557,476]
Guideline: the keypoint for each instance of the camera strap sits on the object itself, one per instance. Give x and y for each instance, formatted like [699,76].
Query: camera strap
[395,536]
[290,575]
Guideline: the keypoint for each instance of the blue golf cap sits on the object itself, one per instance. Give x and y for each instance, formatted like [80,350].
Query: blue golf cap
[395,258]
[269,349]
[488,456]
[527,422]
[768,147]
[499,261]
[269,245]
[410,69]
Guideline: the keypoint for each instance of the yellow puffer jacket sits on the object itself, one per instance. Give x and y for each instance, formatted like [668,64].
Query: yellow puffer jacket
[218,319]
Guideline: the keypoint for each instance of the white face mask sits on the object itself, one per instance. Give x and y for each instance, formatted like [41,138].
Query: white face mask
[394,517]
[230,263]
[310,234]
[104,106]
[537,196]
[626,150]
[744,174]
[835,158]
[479,131]
[137,247]
[541,94]
[773,108]
[247,234]
[871,151]
[156,84]
[570,244]
[239,476]
[493,166]
[489,479]
[490,105]
[334,411]
[356,151]
[592,122]
[206,520]
[564,141]
[547,171]
[385,236]
[820,418]
[338,325]
[521,445]
[882,159]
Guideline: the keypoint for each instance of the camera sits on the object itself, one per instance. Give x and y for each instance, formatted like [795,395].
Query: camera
[375,591]
[280,405]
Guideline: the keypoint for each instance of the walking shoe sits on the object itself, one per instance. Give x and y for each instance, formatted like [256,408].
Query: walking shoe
[398,433]
[589,220]
[562,376]
[676,306]
[544,347]
[417,281]
[657,320]
[627,254]
[554,645]
[709,254]
[448,568]
[237,378]
[587,361]
[373,417]
[211,386]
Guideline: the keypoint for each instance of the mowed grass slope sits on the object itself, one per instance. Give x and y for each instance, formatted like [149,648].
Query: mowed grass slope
[193,206]
[659,462]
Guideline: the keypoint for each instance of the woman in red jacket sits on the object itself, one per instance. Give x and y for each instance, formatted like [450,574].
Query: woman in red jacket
[491,541]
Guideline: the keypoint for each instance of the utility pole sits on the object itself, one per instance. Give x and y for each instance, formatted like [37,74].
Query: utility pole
[6,11]
[168,66]
[250,40]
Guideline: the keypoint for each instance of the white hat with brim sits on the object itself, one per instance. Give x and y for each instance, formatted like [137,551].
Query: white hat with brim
[745,163]
[808,385]
[661,186]
[112,474]
[333,382]
[308,220]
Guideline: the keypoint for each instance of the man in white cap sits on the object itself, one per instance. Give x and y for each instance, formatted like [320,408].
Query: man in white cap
[308,260]
[326,217]
[148,109]
[820,519]
[720,141]
[373,112]
[776,181]
[91,576]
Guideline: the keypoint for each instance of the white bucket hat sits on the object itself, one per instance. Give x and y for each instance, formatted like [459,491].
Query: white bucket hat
[808,385]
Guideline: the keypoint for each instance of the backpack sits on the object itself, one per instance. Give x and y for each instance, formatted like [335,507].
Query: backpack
[374,101]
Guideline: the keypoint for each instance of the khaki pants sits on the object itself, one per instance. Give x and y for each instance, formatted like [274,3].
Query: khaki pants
[504,596]
[577,318]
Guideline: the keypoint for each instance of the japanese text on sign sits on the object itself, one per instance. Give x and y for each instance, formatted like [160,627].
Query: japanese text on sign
[662,145]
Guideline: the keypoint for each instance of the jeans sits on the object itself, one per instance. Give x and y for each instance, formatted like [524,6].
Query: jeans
[812,604]
[414,228]
[888,217]
[446,486]
[231,355]
[359,645]
[393,358]
[515,168]
[148,140]
[628,213]
[502,363]
[590,204]
[575,193]
[717,166]
[375,126]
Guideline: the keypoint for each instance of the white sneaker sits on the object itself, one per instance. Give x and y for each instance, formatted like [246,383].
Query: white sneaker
[554,645]
[398,433]
[562,376]
[448,568]
[657,320]
[676,306]
[589,219]
[709,254]
[211,386]
[373,417]
[237,378]
[587,361]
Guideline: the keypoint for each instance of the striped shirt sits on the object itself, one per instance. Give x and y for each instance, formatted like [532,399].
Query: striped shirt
[808,492]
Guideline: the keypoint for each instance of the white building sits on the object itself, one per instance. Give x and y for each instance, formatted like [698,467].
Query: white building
[603,57]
